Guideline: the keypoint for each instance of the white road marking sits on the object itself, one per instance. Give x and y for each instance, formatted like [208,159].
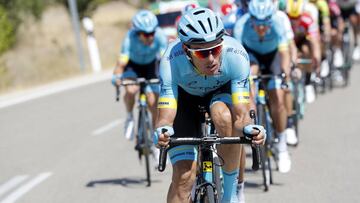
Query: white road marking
[107,127]
[9,185]
[25,188]
[49,89]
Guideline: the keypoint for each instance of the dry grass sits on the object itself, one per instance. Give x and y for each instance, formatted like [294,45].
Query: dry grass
[45,50]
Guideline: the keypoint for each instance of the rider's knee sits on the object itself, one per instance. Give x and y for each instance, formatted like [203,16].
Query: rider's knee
[183,176]
[221,116]
[278,102]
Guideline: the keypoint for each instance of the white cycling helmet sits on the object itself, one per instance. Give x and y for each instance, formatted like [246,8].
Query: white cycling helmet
[145,21]
[261,9]
[200,25]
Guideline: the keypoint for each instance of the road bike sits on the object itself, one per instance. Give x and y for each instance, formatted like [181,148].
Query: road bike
[267,151]
[144,144]
[208,186]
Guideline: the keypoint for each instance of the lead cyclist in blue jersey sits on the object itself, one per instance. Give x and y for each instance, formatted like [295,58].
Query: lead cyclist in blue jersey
[263,35]
[206,67]
[143,43]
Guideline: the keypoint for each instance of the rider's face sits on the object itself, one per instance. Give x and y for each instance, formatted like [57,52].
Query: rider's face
[261,26]
[206,57]
[146,38]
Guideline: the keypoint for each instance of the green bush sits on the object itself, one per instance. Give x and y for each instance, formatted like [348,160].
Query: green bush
[7,31]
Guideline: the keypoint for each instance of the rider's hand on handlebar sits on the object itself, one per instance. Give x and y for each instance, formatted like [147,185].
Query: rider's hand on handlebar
[258,132]
[163,139]
[116,79]
[162,136]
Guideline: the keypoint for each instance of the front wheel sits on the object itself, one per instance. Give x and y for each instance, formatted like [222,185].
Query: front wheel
[210,195]
[145,134]
[217,176]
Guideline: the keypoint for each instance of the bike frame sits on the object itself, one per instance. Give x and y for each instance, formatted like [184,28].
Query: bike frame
[144,122]
[207,185]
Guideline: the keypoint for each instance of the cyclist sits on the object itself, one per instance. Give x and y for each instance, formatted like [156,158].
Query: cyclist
[349,12]
[291,136]
[337,29]
[143,43]
[307,39]
[264,37]
[203,67]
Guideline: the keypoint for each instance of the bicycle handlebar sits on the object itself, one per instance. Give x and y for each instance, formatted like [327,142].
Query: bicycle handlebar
[247,139]
[138,81]
[268,76]
[281,76]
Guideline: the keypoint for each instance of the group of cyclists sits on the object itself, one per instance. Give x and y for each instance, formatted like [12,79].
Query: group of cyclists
[212,62]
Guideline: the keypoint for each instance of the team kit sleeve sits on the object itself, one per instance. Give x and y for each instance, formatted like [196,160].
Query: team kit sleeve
[163,41]
[125,50]
[168,87]
[240,72]
[239,27]
[281,33]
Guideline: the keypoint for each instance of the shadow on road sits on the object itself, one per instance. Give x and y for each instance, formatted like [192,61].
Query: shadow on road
[125,182]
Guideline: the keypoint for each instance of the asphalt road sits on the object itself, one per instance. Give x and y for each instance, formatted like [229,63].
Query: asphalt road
[69,147]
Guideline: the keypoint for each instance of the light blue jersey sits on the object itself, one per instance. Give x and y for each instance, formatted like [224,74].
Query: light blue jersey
[133,49]
[177,71]
[275,37]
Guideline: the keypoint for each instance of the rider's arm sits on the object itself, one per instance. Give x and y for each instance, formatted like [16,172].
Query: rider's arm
[123,58]
[167,103]
[313,36]
[240,88]
[238,27]
[283,46]
[316,48]
[325,16]
[163,41]
[289,35]
[293,51]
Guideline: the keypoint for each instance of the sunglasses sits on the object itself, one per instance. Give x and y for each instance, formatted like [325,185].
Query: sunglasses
[204,53]
[265,22]
[147,34]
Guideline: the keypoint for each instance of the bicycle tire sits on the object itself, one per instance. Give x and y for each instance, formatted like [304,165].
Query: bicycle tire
[263,149]
[345,73]
[146,146]
[347,56]
[217,177]
[210,195]
[296,106]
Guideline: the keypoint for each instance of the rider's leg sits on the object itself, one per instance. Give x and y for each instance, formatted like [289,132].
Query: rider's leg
[240,188]
[183,178]
[354,21]
[222,118]
[278,110]
[183,157]
[152,99]
[129,99]
[306,53]
[336,39]
[279,115]
[290,131]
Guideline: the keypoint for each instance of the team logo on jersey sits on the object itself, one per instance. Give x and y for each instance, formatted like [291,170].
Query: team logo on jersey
[165,102]
[238,51]
[243,83]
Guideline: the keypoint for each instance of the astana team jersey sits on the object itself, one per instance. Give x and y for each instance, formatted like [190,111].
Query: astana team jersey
[275,37]
[177,71]
[132,48]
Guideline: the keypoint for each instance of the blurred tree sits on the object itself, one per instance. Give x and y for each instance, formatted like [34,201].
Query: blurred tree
[11,13]
[6,31]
